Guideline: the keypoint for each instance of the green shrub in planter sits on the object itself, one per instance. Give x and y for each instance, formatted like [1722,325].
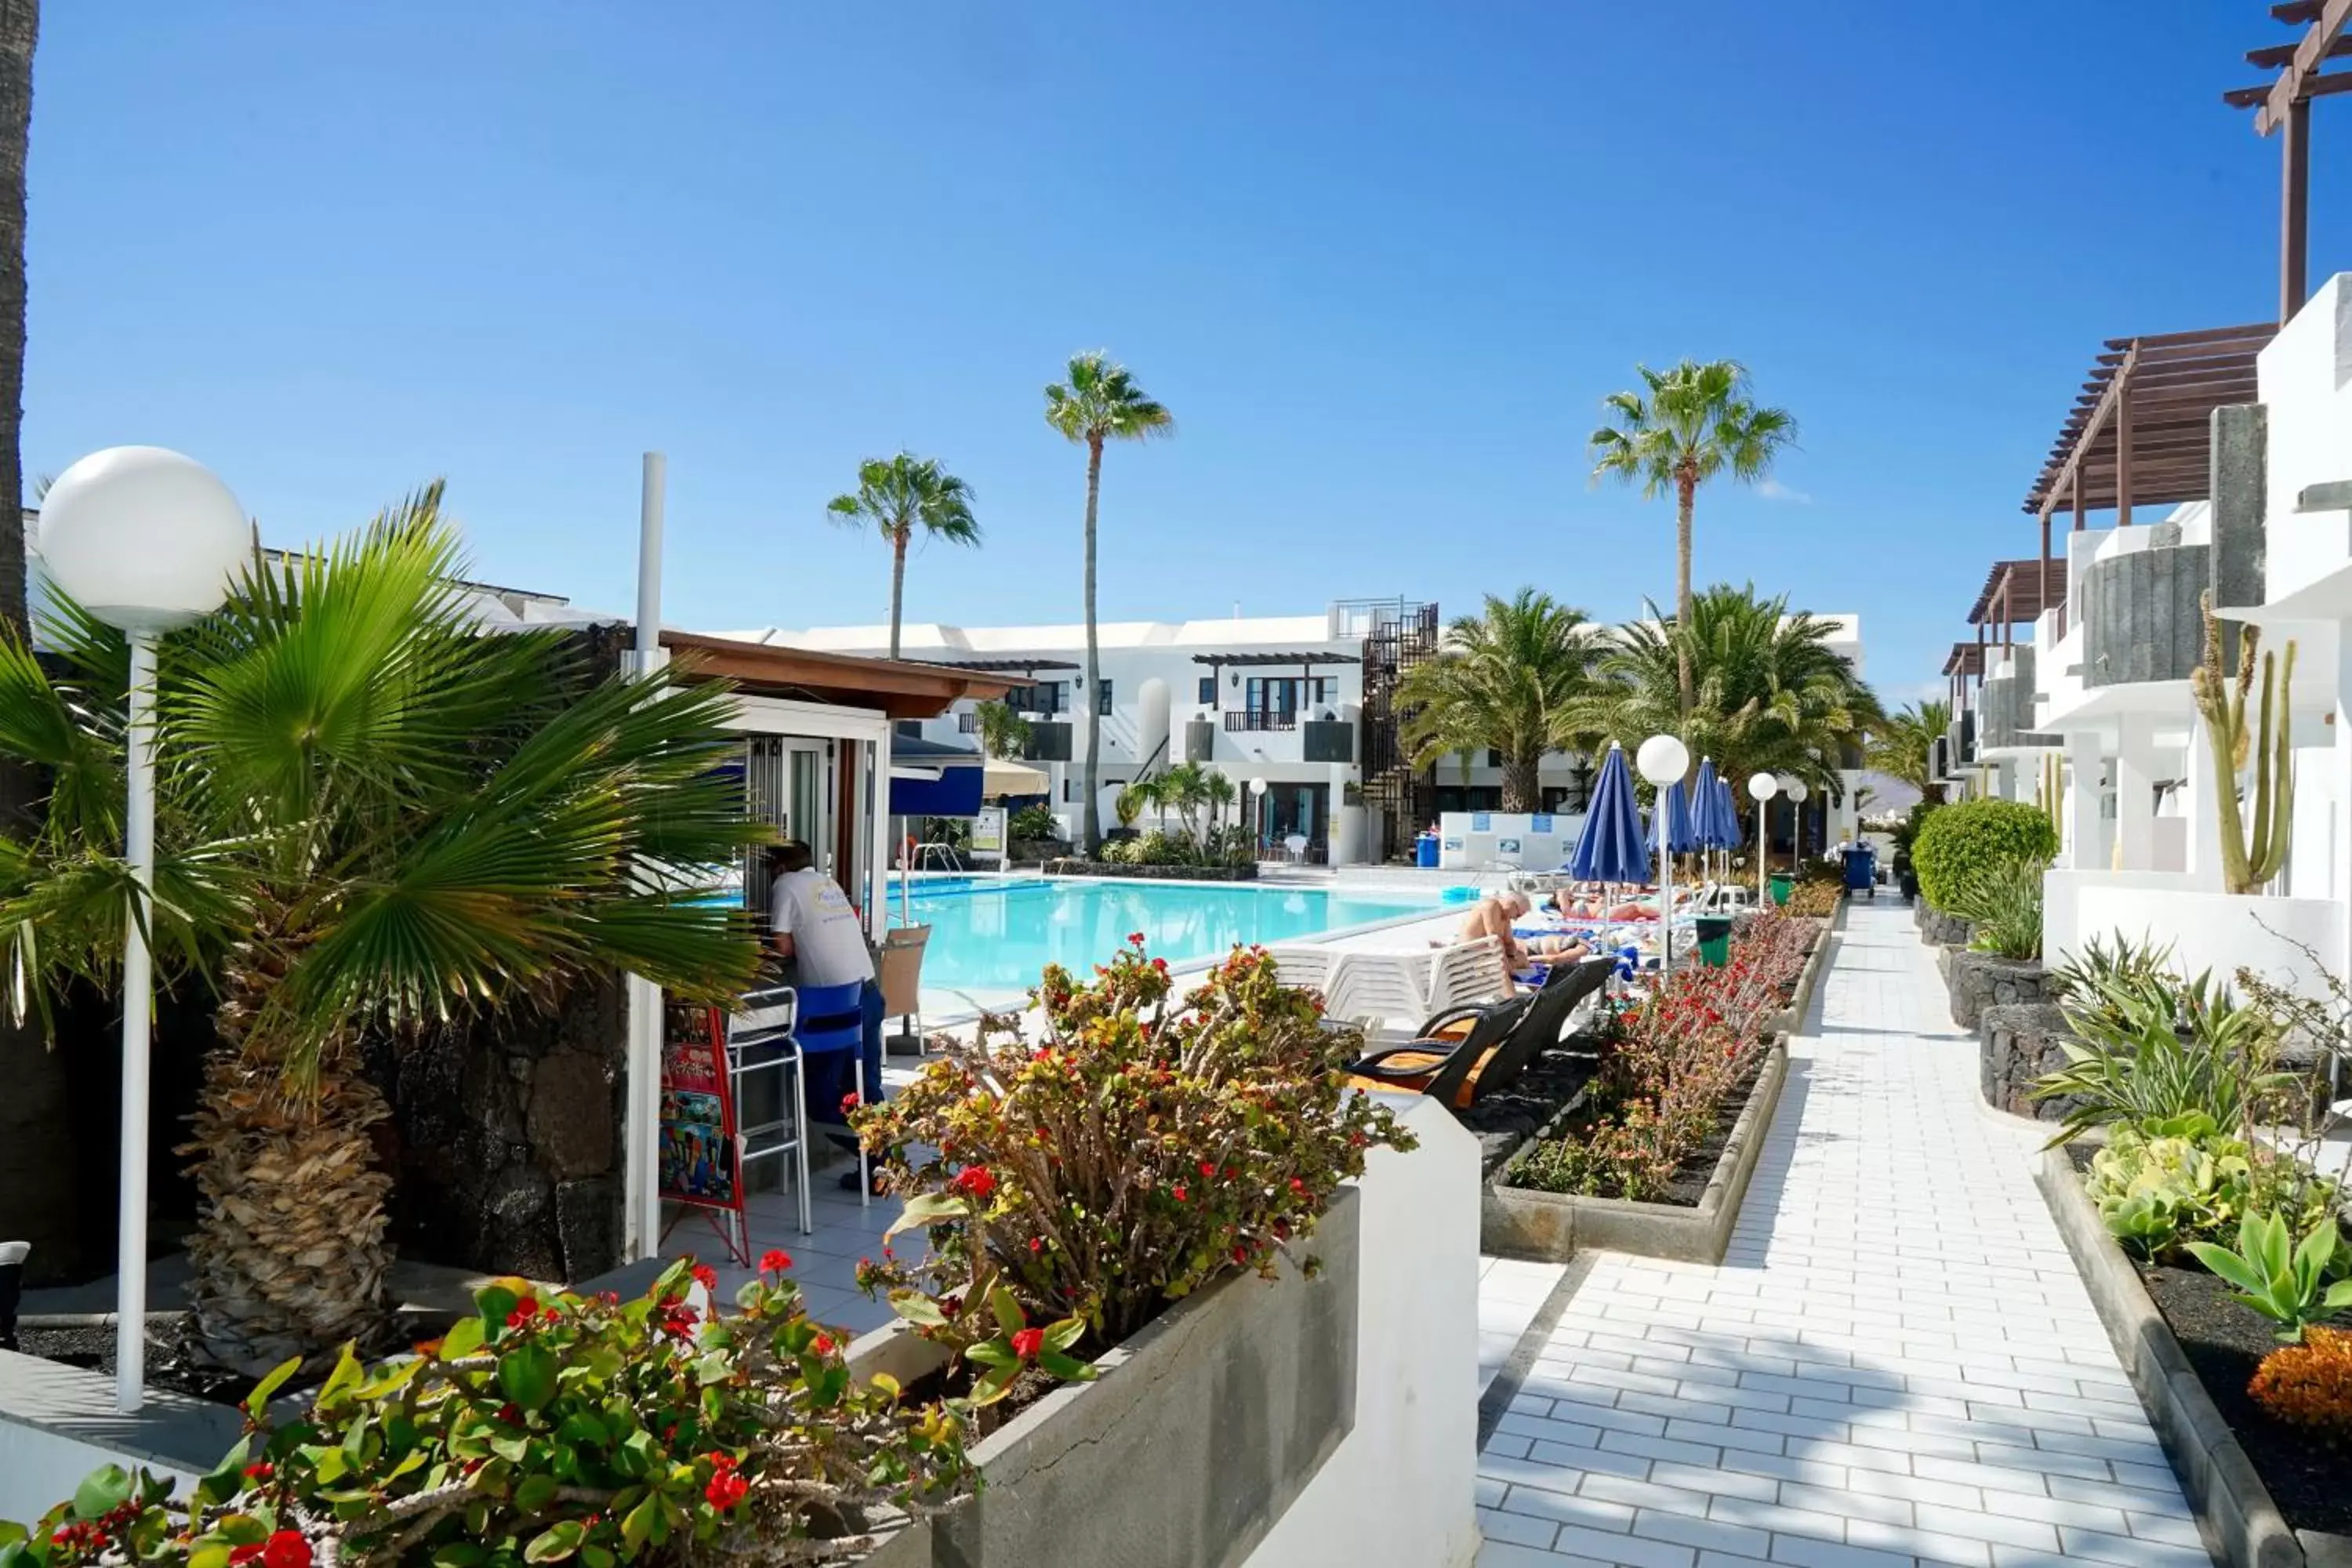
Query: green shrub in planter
[544,1430]
[1957,844]
[1034,822]
[2002,905]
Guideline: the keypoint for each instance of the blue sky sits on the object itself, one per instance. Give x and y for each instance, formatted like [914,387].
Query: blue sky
[1382,259]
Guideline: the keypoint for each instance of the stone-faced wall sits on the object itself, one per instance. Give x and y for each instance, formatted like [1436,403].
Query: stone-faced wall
[1943,930]
[506,1138]
[2016,1045]
[1980,980]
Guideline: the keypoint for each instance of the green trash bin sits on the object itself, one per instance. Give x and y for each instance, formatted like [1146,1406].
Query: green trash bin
[1782,883]
[1714,940]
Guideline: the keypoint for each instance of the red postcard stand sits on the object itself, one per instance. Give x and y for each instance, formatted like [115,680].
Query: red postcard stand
[701,1157]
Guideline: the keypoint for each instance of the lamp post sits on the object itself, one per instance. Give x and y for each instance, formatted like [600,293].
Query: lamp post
[1664,760]
[1257,811]
[1796,790]
[1761,787]
[145,540]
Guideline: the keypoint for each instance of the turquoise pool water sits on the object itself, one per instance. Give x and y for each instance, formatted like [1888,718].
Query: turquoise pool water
[989,939]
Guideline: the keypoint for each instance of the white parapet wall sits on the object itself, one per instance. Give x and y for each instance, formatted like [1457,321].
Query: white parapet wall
[59,1423]
[2205,930]
[1397,1493]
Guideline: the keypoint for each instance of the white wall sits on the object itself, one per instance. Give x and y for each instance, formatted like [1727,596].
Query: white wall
[1398,1493]
[41,1464]
[2205,930]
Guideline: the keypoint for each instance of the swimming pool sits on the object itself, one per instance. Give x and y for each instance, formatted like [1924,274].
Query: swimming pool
[991,938]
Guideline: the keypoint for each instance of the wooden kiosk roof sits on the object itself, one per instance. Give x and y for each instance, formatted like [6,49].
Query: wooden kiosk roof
[899,687]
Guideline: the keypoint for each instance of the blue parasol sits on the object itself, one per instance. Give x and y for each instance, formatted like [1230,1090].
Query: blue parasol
[1717,825]
[1611,847]
[1682,824]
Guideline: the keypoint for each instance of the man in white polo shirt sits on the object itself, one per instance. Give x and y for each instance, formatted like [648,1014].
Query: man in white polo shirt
[812,924]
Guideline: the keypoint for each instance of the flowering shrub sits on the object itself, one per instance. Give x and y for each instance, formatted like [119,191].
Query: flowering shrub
[544,1430]
[2309,1384]
[1146,1147]
[1679,1054]
[1814,899]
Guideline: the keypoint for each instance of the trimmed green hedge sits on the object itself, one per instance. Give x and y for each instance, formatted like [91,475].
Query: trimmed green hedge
[1958,844]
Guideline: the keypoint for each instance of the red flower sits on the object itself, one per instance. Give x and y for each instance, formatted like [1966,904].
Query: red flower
[726,1489]
[1180,1192]
[974,1182]
[1041,1054]
[260,1472]
[1208,1168]
[1297,1186]
[706,1276]
[849,1102]
[1135,937]
[1036,1244]
[237,1555]
[774,1261]
[679,1322]
[1241,1253]
[286,1548]
[1160,964]
[1026,1342]
[525,1310]
[822,1345]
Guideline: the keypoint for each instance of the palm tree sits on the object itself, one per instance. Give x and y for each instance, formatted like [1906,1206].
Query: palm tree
[1899,745]
[370,816]
[1688,424]
[1100,402]
[39,1193]
[1508,679]
[1002,732]
[897,496]
[1770,694]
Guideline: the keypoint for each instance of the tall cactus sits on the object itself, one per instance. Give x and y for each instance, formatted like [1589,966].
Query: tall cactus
[2247,864]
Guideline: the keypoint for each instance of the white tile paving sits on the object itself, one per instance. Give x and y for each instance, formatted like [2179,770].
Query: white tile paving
[1895,1365]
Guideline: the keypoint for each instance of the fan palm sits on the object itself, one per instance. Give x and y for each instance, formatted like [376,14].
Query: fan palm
[1100,402]
[370,816]
[1899,745]
[898,497]
[1508,680]
[1684,428]
[1770,694]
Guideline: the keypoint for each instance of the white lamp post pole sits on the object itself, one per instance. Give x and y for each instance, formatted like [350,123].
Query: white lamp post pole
[1797,790]
[1664,759]
[145,540]
[1761,788]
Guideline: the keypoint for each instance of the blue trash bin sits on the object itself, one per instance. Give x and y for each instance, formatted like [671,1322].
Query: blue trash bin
[1424,851]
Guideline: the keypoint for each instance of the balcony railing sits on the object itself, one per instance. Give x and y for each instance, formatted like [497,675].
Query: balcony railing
[1239,719]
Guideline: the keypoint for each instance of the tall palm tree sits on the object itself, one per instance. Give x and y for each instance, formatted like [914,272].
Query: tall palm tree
[1770,694]
[1100,402]
[897,496]
[39,1194]
[1508,679]
[370,816]
[1684,428]
[1899,744]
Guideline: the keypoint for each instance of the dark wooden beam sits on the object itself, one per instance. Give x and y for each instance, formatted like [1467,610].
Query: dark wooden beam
[2294,206]
[2327,26]
[2277,54]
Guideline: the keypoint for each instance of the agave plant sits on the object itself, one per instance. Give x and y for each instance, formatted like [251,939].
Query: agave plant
[2148,1048]
[2002,905]
[370,816]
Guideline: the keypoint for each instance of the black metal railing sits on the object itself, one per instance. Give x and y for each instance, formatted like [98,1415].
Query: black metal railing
[1241,718]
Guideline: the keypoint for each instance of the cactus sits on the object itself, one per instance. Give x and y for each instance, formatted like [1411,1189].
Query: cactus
[2247,864]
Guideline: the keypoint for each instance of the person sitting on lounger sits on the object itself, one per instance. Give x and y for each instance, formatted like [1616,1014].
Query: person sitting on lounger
[1493,916]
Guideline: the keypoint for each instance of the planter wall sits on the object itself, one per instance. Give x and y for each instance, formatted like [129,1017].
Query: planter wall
[1200,1432]
[1943,930]
[59,1423]
[2017,1044]
[1153,873]
[2241,1523]
[1552,1227]
[1976,981]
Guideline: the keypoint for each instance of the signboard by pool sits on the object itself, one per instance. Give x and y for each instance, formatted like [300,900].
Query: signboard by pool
[1532,841]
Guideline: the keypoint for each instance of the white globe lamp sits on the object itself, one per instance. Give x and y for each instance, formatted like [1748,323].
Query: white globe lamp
[1796,790]
[1761,787]
[1663,758]
[145,540]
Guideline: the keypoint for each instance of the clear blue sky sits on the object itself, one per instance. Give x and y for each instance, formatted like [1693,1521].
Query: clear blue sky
[1382,258]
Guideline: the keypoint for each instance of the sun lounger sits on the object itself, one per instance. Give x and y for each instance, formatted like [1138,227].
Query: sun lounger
[1500,1041]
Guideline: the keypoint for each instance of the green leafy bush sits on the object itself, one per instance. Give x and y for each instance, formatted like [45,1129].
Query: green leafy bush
[2160,1187]
[1957,844]
[544,1430]
[2148,1048]
[1142,1148]
[1034,822]
[2281,1280]
[2002,904]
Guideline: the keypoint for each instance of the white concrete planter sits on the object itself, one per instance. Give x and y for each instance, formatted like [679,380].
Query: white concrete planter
[2206,930]
[59,1423]
[1197,1438]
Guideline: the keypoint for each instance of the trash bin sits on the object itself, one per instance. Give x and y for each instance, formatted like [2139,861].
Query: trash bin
[1424,851]
[1782,882]
[1714,940]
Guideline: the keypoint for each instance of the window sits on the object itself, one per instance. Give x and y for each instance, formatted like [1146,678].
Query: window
[968,723]
[1046,697]
[1326,691]
[911,729]
[1102,697]
[1067,790]
[1494,758]
[1208,691]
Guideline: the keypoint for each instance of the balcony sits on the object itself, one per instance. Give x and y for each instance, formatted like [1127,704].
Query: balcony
[2140,604]
[1252,720]
[2007,705]
[1328,741]
[1049,741]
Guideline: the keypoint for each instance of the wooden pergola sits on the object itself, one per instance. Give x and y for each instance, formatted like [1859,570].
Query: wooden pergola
[2015,593]
[2285,105]
[1965,659]
[2141,430]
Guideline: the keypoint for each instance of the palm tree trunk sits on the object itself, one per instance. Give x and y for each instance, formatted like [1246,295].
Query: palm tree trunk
[897,583]
[38,1191]
[289,1252]
[1686,499]
[1090,818]
[1521,788]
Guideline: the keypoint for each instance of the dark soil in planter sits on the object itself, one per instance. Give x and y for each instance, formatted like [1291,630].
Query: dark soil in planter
[1509,1119]
[2311,1483]
[1688,1185]
[168,1365]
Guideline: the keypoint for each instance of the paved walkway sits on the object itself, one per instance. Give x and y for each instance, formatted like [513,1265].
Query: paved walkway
[1896,1363]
